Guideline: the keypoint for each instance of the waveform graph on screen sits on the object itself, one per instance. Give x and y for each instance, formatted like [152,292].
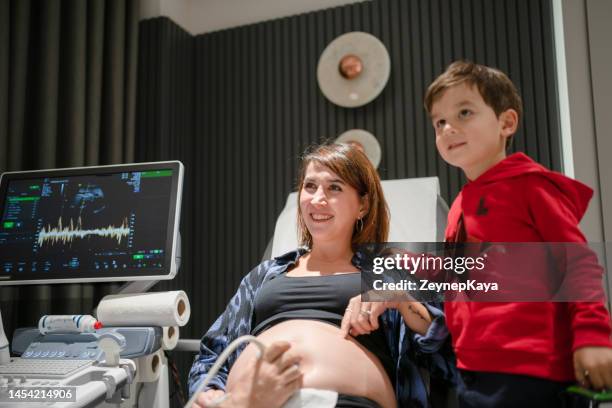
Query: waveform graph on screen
[67,233]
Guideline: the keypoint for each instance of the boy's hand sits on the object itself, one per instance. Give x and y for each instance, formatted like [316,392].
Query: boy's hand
[593,367]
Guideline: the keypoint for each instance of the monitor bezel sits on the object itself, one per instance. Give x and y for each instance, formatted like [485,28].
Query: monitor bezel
[178,171]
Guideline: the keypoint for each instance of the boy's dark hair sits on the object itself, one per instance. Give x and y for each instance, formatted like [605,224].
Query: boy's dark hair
[496,89]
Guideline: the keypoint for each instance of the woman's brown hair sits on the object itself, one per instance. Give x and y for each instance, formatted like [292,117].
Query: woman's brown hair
[353,167]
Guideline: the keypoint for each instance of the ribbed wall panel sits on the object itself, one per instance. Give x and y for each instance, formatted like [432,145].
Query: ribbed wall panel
[239,106]
[165,131]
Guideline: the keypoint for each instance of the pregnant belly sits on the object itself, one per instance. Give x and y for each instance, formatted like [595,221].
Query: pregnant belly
[328,361]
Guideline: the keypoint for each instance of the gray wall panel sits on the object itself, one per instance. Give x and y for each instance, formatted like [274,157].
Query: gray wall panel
[165,130]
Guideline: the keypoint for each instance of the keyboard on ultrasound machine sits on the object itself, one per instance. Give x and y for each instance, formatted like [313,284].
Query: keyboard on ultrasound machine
[43,368]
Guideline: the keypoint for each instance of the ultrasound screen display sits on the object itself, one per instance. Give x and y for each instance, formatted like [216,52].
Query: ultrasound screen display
[88,224]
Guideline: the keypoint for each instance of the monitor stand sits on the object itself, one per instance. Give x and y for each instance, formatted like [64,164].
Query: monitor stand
[5,355]
[136,287]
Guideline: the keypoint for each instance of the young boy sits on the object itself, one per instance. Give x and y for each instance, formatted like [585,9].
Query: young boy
[512,354]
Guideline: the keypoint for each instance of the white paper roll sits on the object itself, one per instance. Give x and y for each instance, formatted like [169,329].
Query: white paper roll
[145,309]
[170,338]
[149,366]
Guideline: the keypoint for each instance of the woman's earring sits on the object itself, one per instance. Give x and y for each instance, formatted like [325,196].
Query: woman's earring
[359,224]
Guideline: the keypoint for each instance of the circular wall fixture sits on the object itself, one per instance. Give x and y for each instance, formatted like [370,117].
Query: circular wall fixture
[364,140]
[353,69]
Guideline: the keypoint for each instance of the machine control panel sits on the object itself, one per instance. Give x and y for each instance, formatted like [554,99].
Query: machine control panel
[30,344]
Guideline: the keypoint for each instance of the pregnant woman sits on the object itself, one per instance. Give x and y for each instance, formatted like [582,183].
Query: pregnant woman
[295,304]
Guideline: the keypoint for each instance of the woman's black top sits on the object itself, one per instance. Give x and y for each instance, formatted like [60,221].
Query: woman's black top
[323,298]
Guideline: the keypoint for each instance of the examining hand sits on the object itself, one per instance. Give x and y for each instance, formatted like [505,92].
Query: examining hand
[593,367]
[268,382]
[205,398]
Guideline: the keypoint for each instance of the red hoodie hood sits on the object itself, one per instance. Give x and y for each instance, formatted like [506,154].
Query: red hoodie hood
[519,164]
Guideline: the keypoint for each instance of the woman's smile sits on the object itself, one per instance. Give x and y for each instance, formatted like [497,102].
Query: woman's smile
[321,218]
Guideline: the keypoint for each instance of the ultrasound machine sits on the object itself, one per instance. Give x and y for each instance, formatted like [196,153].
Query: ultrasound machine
[92,224]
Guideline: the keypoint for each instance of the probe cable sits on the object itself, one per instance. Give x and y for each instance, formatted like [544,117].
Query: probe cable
[220,361]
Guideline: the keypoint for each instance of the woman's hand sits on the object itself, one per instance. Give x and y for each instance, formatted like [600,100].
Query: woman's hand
[362,317]
[267,382]
[593,367]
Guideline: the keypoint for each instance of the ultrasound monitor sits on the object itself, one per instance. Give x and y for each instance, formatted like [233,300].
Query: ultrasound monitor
[90,224]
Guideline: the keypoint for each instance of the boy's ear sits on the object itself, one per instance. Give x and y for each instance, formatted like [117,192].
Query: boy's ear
[509,122]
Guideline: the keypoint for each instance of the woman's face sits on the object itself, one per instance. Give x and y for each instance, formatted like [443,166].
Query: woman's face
[330,207]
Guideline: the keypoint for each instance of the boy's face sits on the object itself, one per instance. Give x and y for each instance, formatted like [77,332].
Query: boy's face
[469,134]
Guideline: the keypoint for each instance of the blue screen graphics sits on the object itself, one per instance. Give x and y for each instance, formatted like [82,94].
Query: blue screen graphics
[86,226]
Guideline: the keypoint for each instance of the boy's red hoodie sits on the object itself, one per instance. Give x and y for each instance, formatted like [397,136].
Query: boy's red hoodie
[519,200]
